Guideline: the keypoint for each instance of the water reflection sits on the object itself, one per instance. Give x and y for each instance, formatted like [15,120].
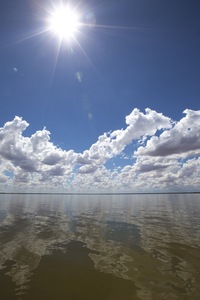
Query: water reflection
[128,247]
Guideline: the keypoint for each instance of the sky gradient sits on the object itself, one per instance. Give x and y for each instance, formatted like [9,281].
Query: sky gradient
[114,110]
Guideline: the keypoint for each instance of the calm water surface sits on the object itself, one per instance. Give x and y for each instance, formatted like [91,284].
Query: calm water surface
[115,247]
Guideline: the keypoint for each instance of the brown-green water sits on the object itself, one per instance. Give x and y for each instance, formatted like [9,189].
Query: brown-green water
[115,247]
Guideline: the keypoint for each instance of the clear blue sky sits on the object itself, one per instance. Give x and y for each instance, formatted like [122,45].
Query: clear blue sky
[85,100]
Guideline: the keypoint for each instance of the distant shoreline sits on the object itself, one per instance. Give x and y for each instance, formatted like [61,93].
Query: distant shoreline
[136,193]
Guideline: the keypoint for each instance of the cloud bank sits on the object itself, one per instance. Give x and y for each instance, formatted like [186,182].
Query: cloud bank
[165,157]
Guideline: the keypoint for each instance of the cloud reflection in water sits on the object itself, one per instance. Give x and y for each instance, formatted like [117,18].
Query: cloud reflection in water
[152,241]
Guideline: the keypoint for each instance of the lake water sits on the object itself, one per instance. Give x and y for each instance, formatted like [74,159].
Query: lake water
[115,247]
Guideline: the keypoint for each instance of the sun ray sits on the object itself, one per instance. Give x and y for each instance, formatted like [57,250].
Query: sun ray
[64,22]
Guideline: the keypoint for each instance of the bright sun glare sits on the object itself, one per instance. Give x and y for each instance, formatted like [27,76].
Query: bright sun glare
[64,22]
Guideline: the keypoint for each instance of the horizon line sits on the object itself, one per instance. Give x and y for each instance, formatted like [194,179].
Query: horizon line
[95,193]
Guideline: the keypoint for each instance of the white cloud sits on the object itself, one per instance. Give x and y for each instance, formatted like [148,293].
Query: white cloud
[3,178]
[32,155]
[87,169]
[167,160]
[21,176]
[112,144]
[181,140]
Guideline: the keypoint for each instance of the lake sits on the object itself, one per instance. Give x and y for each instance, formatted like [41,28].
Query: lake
[115,247]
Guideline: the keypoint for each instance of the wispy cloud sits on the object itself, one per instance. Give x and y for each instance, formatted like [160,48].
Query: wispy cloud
[167,160]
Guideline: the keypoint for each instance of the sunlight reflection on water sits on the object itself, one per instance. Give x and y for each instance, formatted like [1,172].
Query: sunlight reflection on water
[118,246]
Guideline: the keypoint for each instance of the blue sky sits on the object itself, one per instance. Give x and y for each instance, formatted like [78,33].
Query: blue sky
[85,99]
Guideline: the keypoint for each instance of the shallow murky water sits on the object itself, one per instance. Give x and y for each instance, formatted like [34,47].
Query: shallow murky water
[115,247]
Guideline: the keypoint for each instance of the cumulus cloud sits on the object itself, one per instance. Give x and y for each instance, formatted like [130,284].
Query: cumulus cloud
[32,155]
[3,178]
[113,143]
[183,138]
[166,157]
[53,158]
[87,169]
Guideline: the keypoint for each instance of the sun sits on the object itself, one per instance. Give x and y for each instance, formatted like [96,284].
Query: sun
[64,22]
